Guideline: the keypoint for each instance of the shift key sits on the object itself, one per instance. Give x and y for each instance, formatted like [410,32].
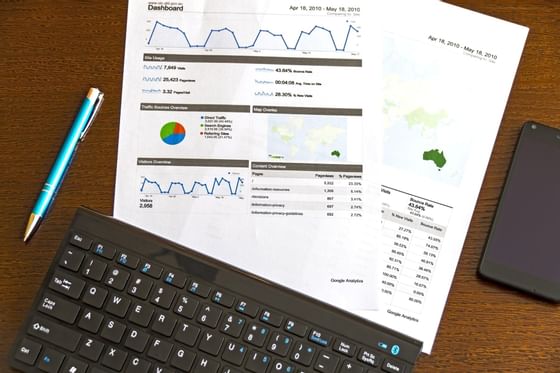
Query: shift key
[67,284]
[54,333]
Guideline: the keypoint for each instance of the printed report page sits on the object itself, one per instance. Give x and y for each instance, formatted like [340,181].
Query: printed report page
[244,135]
[447,75]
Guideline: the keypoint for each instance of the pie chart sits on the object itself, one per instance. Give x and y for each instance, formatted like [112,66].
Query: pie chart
[172,133]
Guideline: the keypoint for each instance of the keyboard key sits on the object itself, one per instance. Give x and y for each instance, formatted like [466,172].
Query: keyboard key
[81,241]
[151,269]
[141,314]
[257,362]
[209,316]
[186,306]
[321,338]
[187,333]
[182,359]
[345,348]
[303,353]
[74,366]
[91,349]
[369,357]
[67,285]
[202,290]
[205,365]
[211,342]
[176,279]
[128,260]
[136,340]
[59,308]
[113,331]
[140,287]
[296,328]
[72,259]
[223,299]
[160,350]
[90,321]
[95,296]
[114,358]
[279,344]
[117,305]
[271,318]
[54,333]
[104,250]
[232,325]
[282,367]
[163,296]
[351,367]
[138,365]
[256,334]
[247,308]
[94,269]
[392,366]
[27,351]
[234,353]
[50,361]
[326,363]
[117,278]
[164,324]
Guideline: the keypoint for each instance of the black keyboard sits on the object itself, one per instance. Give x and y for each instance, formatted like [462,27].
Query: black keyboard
[117,298]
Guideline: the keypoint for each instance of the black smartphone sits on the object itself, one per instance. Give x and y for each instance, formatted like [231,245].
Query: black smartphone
[523,247]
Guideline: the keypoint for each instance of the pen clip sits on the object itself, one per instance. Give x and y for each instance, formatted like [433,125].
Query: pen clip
[96,107]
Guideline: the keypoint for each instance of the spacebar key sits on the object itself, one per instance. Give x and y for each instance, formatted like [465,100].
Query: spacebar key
[54,333]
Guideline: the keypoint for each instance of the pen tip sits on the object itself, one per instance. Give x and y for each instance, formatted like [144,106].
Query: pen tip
[32,225]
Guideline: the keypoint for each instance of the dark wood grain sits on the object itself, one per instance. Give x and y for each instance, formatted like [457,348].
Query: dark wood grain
[52,51]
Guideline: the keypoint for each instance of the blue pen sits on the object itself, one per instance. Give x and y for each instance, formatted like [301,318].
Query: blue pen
[77,133]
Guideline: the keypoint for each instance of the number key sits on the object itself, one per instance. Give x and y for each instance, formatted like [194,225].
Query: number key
[256,334]
[232,325]
[94,269]
[279,344]
[117,278]
[209,316]
[303,353]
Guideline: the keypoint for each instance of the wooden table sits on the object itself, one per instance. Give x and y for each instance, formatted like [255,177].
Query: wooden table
[53,51]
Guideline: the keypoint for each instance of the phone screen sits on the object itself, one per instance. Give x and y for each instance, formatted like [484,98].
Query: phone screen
[524,243]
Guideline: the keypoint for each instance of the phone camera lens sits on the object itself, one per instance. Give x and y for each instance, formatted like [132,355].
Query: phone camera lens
[534,126]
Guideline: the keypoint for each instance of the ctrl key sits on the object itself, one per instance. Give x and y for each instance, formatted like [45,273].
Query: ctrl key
[27,351]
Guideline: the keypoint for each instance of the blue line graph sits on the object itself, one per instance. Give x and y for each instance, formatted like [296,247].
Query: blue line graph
[302,35]
[233,191]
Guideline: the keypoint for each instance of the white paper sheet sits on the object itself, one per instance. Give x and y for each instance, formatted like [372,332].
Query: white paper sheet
[244,135]
[447,76]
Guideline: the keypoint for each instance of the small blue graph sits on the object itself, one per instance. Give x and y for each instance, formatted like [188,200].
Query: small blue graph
[197,187]
[232,41]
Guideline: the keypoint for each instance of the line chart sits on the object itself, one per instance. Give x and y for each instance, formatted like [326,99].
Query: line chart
[178,188]
[329,43]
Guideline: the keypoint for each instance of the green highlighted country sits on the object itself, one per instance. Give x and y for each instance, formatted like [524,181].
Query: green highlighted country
[335,153]
[435,156]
